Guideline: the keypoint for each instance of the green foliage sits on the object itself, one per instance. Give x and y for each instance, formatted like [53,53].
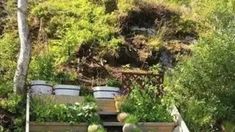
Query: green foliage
[8,54]
[186,2]
[126,5]
[67,25]
[131,119]
[42,68]
[203,86]
[141,101]
[74,23]
[11,105]
[113,83]
[15,106]
[155,69]
[71,113]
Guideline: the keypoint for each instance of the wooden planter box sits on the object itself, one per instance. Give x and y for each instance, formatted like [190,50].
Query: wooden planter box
[157,127]
[57,127]
[104,105]
[107,105]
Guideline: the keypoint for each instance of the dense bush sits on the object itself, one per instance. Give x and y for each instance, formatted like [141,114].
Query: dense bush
[71,113]
[203,86]
[12,111]
[8,54]
[70,24]
[146,105]
[64,27]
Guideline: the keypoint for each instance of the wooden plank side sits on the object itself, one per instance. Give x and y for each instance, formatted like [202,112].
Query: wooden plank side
[157,127]
[60,99]
[57,127]
[107,105]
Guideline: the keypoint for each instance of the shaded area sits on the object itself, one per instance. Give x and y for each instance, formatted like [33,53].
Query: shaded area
[3,15]
[6,118]
[146,16]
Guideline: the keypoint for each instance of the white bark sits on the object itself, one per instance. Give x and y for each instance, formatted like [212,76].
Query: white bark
[25,48]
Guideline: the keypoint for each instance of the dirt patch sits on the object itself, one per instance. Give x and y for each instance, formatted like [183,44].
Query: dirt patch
[146,16]
[182,30]
[87,50]
[3,15]
[147,21]
[89,65]
[125,55]
[6,119]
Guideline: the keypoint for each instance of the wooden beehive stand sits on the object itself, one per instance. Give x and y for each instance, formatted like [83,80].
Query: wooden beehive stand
[106,107]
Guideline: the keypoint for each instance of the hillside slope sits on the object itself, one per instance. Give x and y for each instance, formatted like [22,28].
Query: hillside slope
[85,41]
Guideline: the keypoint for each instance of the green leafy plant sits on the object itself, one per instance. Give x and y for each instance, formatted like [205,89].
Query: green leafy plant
[203,86]
[75,23]
[10,107]
[113,83]
[42,67]
[131,119]
[140,101]
[71,113]
[8,46]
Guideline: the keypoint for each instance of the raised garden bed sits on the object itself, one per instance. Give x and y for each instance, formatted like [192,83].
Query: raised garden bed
[104,105]
[107,105]
[57,127]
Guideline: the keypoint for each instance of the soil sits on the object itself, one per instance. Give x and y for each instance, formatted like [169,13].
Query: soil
[147,16]
[6,118]
[3,16]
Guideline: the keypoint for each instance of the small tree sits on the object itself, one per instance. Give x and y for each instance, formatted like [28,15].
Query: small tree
[25,48]
[204,85]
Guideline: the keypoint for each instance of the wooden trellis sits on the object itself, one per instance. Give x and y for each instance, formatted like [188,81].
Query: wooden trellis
[131,78]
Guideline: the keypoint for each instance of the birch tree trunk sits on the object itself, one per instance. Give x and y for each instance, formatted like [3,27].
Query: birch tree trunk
[25,48]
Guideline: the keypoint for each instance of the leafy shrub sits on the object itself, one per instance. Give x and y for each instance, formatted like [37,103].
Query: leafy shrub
[42,68]
[12,107]
[141,101]
[13,115]
[131,119]
[70,24]
[8,46]
[71,113]
[203,86]
[113,83]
